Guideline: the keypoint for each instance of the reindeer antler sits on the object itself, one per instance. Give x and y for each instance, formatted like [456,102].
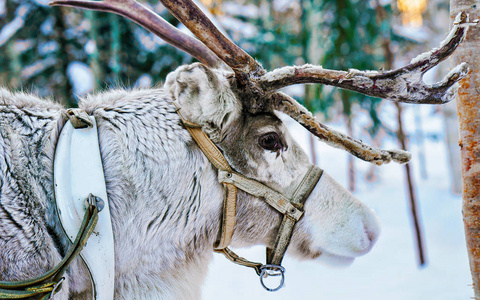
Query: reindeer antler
[291,107]
[402,85]
[259,87]
[148,19]
[202,27]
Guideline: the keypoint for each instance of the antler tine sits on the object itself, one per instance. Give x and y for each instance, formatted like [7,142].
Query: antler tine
[152,22]
[403,85]
[194,19]
[291,107]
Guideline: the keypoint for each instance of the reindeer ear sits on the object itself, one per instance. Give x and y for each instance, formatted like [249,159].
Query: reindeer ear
[204,97]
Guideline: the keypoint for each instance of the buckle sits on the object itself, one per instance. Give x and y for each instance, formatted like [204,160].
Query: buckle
[272,271]
[94,201]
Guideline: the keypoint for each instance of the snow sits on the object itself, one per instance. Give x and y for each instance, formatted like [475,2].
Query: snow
[243,10]
[419,35]
[23,45]
[47,47]
[47,26]
[144,81]
[37,67]
[389,271]
[81,77]
[283,5]
[15,25]
[41,2]
[247,30]
[2,7]
[147,40]
[90,47]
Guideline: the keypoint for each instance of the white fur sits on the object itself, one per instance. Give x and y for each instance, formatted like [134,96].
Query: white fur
[339,214]
[164,196]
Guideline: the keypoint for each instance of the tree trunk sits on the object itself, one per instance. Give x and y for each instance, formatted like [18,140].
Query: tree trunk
[468,104]
[412,204]
[351,162]
[451,138]
[420,142]
[64,88]
[94,54]
[115,47]
[309,98]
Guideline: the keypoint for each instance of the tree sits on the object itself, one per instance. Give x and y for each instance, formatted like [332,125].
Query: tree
[38,45]
[468,104]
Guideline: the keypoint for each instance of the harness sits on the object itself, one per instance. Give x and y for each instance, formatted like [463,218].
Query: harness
[291,207]
[78,173]
[78,168]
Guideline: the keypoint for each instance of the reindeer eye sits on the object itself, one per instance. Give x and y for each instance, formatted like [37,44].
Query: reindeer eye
[270,141]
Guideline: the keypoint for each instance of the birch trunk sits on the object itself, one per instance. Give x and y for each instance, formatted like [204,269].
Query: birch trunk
[468,104]
[451,136]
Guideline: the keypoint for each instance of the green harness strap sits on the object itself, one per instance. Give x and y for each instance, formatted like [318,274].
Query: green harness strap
[50,282]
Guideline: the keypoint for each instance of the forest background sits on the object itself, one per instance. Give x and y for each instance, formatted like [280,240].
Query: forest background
[65,53]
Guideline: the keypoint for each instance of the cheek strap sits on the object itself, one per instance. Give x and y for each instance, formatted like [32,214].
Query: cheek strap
[284,235]
[291,208]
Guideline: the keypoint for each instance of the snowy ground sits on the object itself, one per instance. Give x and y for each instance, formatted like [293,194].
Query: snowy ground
[389,271]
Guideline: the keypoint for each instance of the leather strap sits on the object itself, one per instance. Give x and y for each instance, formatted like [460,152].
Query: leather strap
[49,282]
[217,159]
[304,189]
[276,200]
[229,218]
[233,257]
[79,118]
[292,209]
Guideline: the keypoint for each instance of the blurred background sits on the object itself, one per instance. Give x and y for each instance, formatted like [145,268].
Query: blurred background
[63,53]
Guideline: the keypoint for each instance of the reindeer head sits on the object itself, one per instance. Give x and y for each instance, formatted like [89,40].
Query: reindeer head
[236,102]
[335,225]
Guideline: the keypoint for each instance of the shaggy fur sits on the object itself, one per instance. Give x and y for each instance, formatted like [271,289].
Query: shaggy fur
[164,196]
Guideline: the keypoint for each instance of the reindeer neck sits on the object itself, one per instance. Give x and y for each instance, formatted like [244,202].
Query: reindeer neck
[164,196]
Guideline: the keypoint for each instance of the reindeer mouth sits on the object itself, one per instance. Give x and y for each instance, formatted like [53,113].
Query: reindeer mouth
[333,260]
[337,260]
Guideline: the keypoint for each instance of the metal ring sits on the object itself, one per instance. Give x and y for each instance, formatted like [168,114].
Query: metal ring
[56,287]
[264,273]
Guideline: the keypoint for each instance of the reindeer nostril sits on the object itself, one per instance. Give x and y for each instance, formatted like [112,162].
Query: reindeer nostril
[371,227]
[372,232]
[371,236]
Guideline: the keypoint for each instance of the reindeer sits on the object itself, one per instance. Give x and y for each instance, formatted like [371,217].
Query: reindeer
[195,166]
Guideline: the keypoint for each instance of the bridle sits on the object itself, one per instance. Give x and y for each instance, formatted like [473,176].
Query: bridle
[100,250]
[291,207]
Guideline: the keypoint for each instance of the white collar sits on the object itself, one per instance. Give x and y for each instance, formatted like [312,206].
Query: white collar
[78,171]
